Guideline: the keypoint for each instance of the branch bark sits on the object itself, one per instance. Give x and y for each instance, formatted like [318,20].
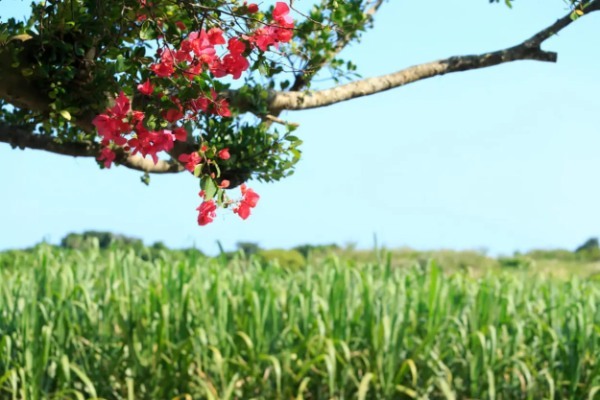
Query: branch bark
[19,91]
[530,49]
[22,138]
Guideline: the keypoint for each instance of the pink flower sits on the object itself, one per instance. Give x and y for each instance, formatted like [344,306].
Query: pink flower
[111,128]
[262,39]
[236,46]
[250,196]
[122,106]
[234,64]
[211,105]
[183,55]
[190,160]
[193,70]
[221,107]
[207,212]
[217,68]
[249,200]
[166,66]
[215,36]
[146,88]
[137,116]
[180,134]
[243,210]
[281,14]
[163,69]
[107,155]
[173,115]
[201,44]
[151,142]
[223,154]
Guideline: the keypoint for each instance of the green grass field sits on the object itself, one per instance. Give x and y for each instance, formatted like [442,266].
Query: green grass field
[109,325]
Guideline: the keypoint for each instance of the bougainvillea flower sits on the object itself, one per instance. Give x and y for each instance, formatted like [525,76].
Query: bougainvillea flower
[145,88]
[122,106]
[111,128]
[201,44]
[166,66]
[236,46]
[243,210]
[223,154]
[180,134]
[221,107]
[207,212]
[173,115]
[108,156]
[234,64]
[281,13]
[215,36]
[250,197]
[190,160]
[249,200]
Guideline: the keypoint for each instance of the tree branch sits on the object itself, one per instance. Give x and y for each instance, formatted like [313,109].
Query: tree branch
[312,68]
[22,138]
[21,92]
[527,50]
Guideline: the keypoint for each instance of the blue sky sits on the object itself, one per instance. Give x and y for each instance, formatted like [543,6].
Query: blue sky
[503,159]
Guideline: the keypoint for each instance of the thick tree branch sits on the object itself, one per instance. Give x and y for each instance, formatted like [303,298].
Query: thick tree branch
[528,50]
[25,139]
[22,92]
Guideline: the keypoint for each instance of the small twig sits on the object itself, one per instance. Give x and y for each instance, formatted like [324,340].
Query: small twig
[280,121]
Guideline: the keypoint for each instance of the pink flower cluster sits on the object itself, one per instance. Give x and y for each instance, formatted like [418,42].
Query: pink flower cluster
[123,127]
[119,122]
[193,159]
[207,211]
[281,31]
[248,202]
[197,51]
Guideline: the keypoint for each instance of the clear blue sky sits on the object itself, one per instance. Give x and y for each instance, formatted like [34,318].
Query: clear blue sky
[505,158]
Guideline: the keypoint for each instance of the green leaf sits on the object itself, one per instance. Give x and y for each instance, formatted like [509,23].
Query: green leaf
[210,188]
[145,179]
[66,115]
[120,66]
[147,32]
[198,170]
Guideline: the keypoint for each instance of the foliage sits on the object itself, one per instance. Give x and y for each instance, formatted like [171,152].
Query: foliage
[100,324]
[517,262]
[590,250]
[248,248]
[287,259]
[309,249]
[101,240]
[201,84]
[82,53]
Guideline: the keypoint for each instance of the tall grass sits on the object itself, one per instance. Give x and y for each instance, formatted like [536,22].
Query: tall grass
[79,325]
